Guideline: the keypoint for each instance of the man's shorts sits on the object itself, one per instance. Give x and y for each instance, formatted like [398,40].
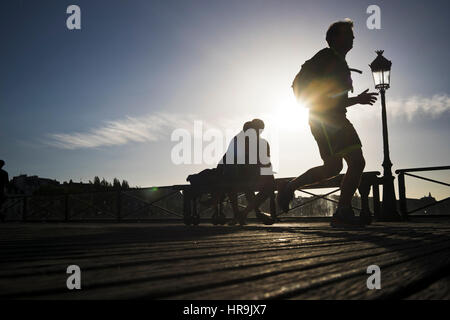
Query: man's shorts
[335,136]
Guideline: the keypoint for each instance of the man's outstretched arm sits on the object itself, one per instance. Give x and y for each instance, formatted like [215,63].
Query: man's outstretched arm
[364,97]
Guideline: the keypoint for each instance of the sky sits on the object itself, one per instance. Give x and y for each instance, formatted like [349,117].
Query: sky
[105,100]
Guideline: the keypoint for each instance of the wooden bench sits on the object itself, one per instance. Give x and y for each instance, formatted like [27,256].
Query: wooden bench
[191,194]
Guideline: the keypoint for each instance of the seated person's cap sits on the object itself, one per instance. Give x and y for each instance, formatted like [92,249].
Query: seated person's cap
[247,125]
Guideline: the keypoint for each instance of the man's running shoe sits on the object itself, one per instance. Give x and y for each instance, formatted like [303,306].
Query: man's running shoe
[233,222]
[264,218]
[345,218]
[365,217]
[242,219]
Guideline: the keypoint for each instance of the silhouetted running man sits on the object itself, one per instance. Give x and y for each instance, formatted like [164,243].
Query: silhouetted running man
[241,164]
[4,182]
[323,84]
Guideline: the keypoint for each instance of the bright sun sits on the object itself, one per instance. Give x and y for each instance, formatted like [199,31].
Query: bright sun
[290,115]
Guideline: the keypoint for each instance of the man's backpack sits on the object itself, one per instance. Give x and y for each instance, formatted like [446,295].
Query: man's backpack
[304,79]
[316,79]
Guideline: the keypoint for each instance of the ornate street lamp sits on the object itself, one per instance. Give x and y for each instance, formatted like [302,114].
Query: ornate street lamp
[381,70]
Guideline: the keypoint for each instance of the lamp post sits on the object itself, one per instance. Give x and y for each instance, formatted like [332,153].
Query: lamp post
[381,70]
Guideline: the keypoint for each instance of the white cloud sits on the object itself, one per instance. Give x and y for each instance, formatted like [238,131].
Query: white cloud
[416,105]
[147,128]
[405,108]
[119,132]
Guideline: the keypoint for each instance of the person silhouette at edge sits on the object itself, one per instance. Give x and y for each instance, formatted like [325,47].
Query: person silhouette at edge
[327,98]
[4,183]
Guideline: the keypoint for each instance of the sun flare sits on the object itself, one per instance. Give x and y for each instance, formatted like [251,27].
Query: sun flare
[290,115]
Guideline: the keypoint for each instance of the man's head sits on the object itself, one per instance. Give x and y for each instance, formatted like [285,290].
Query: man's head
[2,163]
[340,35]
[257,124]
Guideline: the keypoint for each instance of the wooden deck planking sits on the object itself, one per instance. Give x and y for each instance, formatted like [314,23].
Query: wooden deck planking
[296,260]
[438,290]
[303,279]
[398,279]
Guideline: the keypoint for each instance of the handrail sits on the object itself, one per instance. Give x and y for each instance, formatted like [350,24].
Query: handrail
[398,171]
[114,215]
[402,188]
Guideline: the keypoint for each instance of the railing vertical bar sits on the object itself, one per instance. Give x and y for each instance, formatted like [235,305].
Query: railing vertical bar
[402,194]
[24,209]
[66,207]
[376,200]
[118,199]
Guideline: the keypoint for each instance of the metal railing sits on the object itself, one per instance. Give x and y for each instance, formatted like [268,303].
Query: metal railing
[124,205]
[402,188]
[145,204]
[109,205]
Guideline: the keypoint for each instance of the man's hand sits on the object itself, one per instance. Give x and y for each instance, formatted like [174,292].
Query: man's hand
[367,97]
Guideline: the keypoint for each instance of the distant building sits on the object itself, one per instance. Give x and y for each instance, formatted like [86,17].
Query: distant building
[440,208]
[428,199]
[29,184]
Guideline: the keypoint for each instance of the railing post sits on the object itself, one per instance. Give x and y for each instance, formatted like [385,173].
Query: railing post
[66,207]
[215,216]
[195,215]
[402,194]
[119,216]
[376,199]
[187,207]
[24,209]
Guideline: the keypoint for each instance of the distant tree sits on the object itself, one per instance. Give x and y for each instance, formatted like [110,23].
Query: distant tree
[97,181]
[125,184]
[116,183]
[70,181]
[104,183]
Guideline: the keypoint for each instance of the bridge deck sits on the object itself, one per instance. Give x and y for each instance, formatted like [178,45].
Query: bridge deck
[289,260]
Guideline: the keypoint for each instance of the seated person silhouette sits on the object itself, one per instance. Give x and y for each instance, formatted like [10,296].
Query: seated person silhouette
[242,163]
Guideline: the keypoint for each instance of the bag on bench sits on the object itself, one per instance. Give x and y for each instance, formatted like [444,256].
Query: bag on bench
[205,177]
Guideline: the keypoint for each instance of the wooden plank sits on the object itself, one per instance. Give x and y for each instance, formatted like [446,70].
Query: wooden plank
[438,290]
[183,267]
[398,280]
[194,250]
[294,282]
[243,186]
